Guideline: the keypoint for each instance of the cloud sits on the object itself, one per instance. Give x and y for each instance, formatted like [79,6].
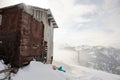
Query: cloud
[89,23]
[89,2]
[66,12]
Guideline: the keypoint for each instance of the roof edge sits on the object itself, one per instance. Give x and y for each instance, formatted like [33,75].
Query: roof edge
[23,5]
[50,16]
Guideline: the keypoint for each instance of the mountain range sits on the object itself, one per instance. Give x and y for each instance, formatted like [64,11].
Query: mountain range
[98,57]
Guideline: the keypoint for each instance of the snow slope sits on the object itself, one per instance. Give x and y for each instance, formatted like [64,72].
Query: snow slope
[82,73]
[76,72]
[39,71]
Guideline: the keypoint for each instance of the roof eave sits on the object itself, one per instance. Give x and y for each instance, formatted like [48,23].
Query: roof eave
[50,17]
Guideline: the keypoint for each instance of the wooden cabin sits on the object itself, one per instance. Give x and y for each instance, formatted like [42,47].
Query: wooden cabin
[26,33]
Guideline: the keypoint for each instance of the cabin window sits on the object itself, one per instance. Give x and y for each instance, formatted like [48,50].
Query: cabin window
[37,14]
[0,20]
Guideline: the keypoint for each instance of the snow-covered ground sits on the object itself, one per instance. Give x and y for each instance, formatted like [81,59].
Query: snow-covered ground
[39,71]
[82,73]
[76,72]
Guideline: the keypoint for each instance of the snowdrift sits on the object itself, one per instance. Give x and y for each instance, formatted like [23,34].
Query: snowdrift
[38,71]
[2,67]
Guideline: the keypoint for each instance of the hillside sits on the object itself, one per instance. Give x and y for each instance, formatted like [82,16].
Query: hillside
[97,57]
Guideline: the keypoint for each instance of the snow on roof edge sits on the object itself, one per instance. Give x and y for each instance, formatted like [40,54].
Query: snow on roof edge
[25,7]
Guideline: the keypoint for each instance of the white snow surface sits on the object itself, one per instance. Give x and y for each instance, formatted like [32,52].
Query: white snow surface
[38,71]
[2,67]
[82,73]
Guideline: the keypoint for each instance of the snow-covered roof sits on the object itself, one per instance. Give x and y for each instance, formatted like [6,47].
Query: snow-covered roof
[31,10]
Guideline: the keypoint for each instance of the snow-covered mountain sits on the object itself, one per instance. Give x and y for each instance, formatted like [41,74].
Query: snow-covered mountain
[98,57]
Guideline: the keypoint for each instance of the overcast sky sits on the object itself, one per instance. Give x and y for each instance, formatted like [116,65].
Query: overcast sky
[82,22]
[89,22]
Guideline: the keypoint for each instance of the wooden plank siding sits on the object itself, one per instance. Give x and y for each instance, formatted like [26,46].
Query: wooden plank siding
[22,37]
